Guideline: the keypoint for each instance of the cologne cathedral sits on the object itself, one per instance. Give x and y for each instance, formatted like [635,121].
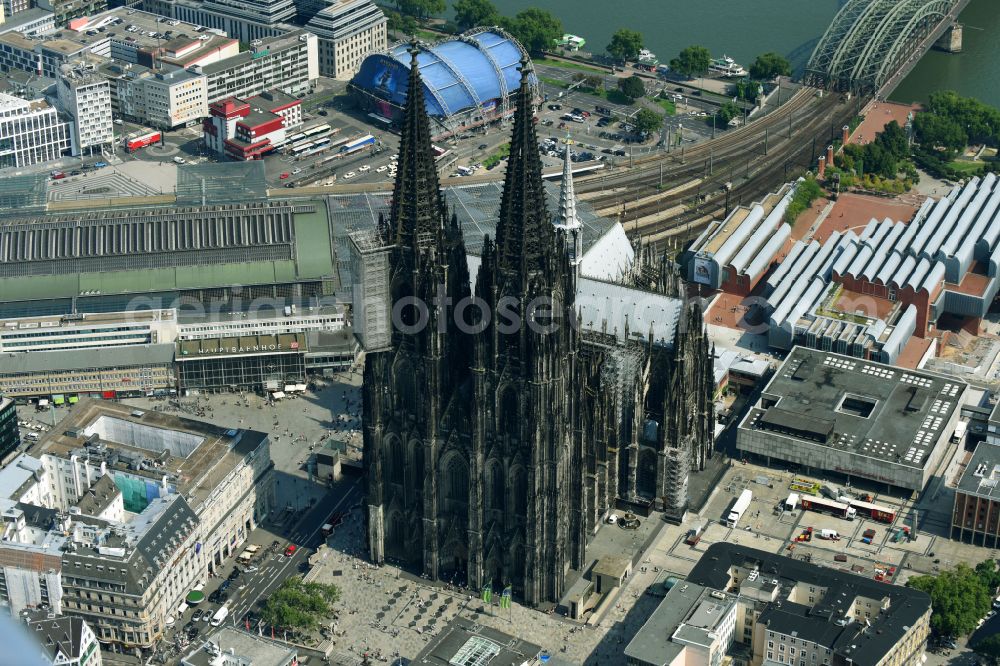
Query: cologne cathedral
[493,451]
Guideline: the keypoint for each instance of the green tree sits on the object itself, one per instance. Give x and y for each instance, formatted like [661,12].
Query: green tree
[806,191]
[625,44]
[421,8]
[987,571]
[958,599]
[939,132]
[893,139]
[691,61]
[473,13]
[769,65]
[726,112]
[594,82]
[401,23]
[300,605]
[632,87]
[536,29]
[647,120]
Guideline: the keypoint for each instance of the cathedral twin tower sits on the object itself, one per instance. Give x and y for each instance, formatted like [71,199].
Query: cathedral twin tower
[475,460]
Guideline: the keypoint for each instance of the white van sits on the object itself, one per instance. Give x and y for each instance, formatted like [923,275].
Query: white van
[180,160]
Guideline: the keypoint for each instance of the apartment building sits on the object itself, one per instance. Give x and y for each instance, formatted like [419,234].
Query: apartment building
[12,7]
[348,30]
[799,614]
[66,10]
[85,96]
[66,640]
[289,63]
[692,625]
[30,132]
[186,496]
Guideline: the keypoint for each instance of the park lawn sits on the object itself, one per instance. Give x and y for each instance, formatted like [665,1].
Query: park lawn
[614,95]
[552,62]
[556,83]
[667,105]
[965,167]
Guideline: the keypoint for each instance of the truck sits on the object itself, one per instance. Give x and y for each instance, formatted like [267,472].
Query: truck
[882,514]
[868,536]
[792,502]
[739,508]
[829,535]
[694,535]
[141,140]
[824,505]
[220,616]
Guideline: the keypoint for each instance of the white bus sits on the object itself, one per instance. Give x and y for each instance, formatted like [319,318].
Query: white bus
[301,148]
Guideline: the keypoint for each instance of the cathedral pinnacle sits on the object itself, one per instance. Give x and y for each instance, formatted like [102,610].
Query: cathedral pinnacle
[417,209]
[525,235]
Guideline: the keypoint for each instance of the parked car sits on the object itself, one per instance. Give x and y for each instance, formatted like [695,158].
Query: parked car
[349,174]
[100,165]
[196,617]
[284,176]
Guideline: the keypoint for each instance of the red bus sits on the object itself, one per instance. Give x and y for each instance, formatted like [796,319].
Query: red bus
[141,141]
[874,511]
[824,505]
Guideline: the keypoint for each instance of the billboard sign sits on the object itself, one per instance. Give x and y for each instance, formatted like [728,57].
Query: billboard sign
[702,271]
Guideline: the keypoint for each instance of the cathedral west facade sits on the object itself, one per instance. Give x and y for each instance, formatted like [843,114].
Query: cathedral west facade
[498,431]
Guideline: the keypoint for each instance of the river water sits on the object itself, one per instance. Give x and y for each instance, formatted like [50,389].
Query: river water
[744,28]
[975,72]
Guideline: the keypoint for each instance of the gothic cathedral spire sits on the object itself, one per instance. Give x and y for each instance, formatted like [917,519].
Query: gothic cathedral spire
[526,238]
[417,211]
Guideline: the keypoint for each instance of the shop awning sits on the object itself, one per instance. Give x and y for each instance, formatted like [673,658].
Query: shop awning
[58,400]
[43,403]
[73,399]
[300,387]
[277,395]
[289,388]
[183,607]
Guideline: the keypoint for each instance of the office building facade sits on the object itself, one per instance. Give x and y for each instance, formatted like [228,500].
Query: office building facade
[30,132]
[348,30]
[85,96]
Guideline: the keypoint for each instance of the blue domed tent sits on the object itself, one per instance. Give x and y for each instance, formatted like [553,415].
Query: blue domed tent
[477,71]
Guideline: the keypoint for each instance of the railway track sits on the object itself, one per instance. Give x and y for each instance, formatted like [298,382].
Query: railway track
[669,196]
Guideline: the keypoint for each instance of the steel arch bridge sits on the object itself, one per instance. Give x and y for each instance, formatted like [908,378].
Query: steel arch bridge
[870,40]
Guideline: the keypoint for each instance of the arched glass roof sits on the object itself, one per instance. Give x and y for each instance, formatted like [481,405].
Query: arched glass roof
[458,74]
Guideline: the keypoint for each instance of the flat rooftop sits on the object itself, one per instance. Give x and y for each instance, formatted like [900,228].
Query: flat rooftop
[138,28]
[982,475]
[465,642]
[258,651]
[652,644]
[866,408]
[831,620]
[84,319]
[195,456]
